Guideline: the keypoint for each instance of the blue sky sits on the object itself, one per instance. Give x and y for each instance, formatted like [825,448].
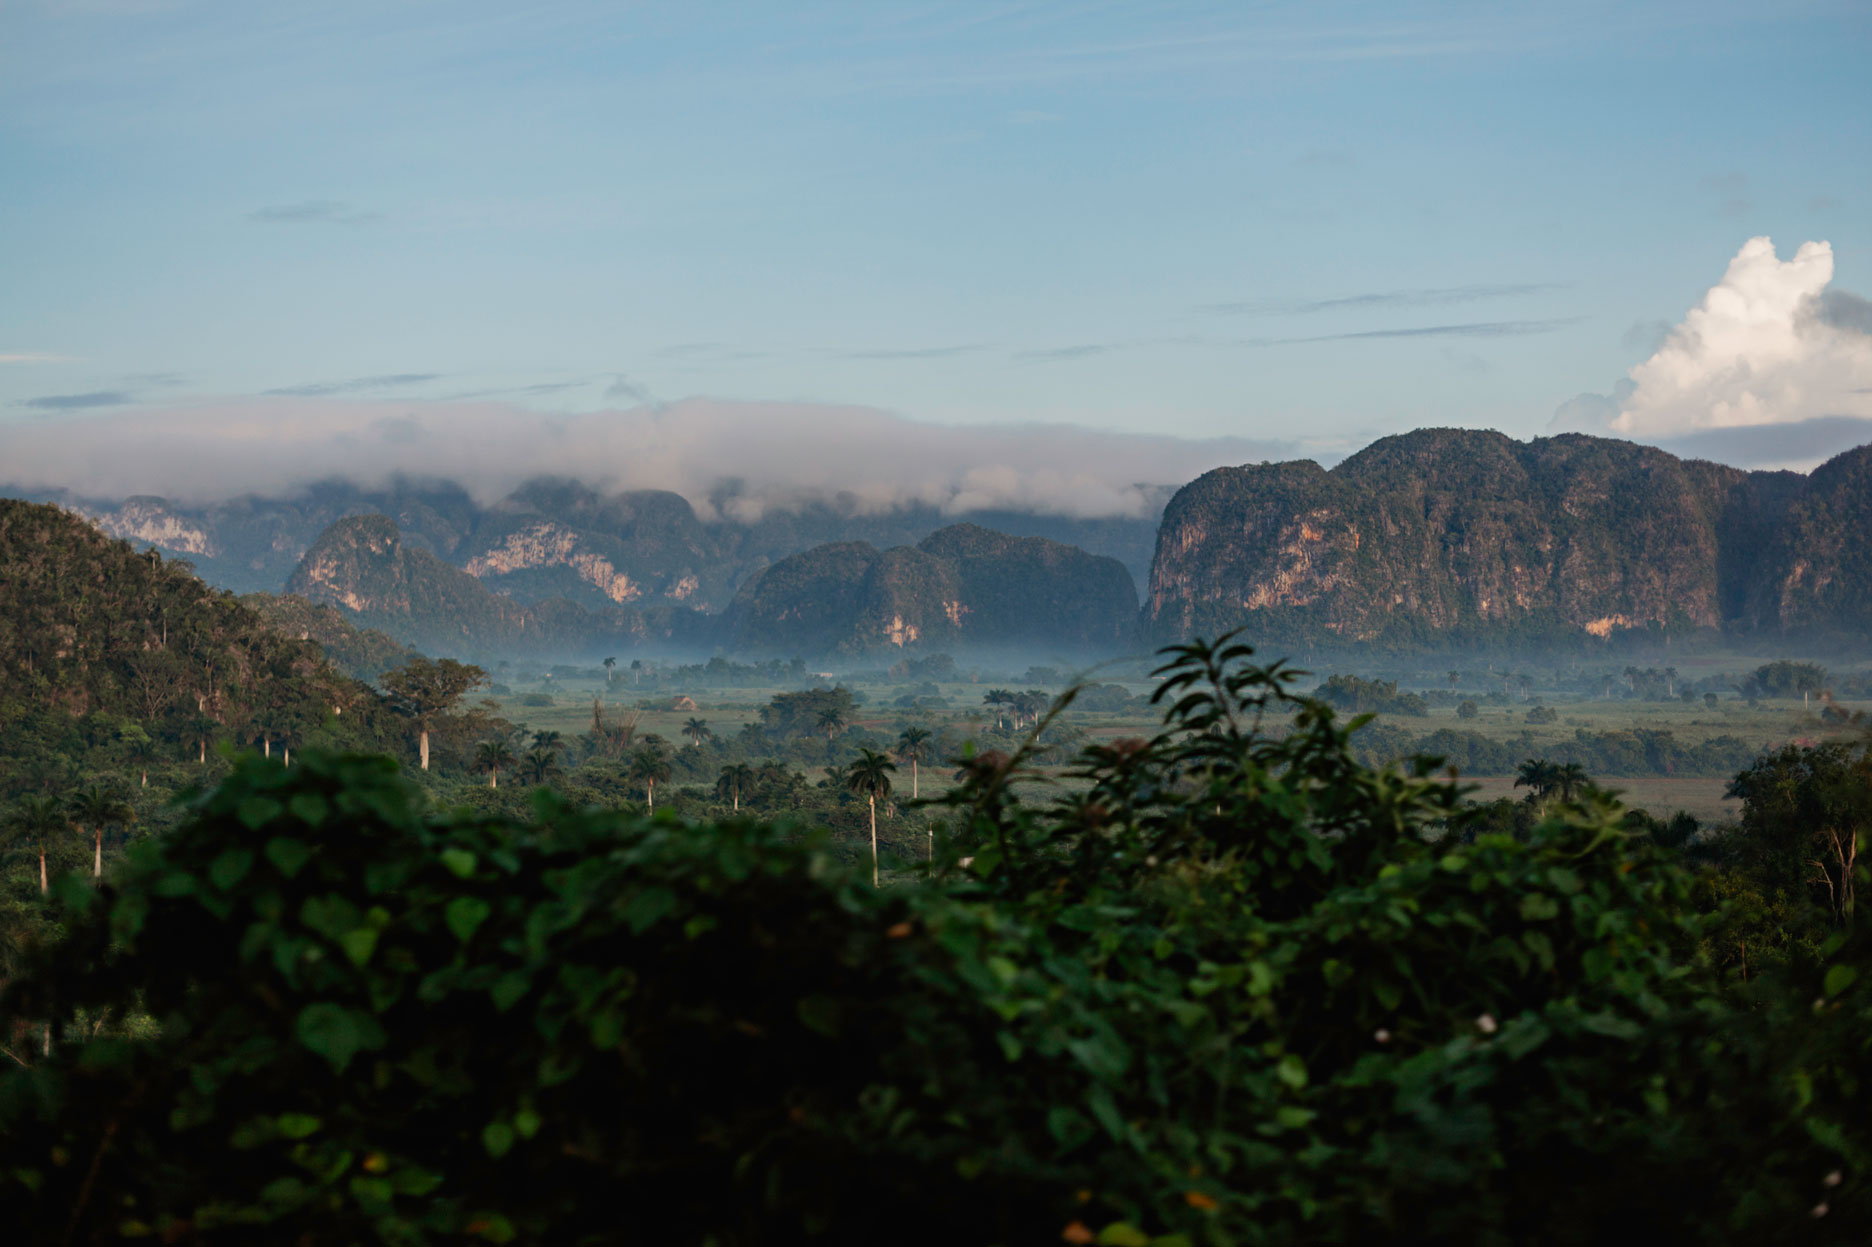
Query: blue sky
[1305,224]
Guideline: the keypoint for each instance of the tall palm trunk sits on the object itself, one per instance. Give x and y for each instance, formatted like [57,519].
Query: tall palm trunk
[913,779]
[97,858]
[44,886]
[266,746]
[422,747]
[650,788]
[493,777]
[874,855]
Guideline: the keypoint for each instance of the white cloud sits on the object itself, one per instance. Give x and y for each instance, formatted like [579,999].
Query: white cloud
[33,357]
[741,458]
[1767,345]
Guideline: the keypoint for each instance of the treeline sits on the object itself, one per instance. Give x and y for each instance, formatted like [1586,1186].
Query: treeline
[1637,751]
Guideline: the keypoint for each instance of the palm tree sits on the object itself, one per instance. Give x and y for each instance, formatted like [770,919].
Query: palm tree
[997,697]
[1455,678]
[610,666]
[97,806]
[870,774]
[1538,775]
[38,818]
[1569,779]
[540,764]
[697,730]
[913,746]
[647,766]
[734,778]
[491,756]
[549,740]
[831,722]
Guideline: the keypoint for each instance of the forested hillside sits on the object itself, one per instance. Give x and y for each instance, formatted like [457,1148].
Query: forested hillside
[108,652]
[1451,537]
[961,586]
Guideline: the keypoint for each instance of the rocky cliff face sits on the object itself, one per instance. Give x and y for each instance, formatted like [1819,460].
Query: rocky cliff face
[364,565]
[962,586]
[1450,536]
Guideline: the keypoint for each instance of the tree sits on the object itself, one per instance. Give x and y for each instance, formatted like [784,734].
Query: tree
[870,774]
[492,756]
[97,806]
[610,666]
[913,746]
[549,740]
[1538,776]
[999,698]
[1570,779]
[697,730]
[423,691]
[37,819]
[831,722]
[540,764]
[1467,710]
[734,777]
[648,767]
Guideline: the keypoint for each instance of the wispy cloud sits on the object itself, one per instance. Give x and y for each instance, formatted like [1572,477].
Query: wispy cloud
[913,352]
[1443,296]
[1474,329]
[78,402]
[313,212]
[357,385]
[34,357]
[1061,354]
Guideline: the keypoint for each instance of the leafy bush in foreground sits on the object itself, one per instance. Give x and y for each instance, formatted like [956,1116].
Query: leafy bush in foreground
[1243,990]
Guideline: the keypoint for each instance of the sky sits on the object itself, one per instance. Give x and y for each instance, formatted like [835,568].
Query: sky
[369,234]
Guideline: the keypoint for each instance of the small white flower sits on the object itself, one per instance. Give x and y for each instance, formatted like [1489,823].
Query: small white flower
[1486,1024]
[1820,1209]
[1833,1179]
[1382,1035]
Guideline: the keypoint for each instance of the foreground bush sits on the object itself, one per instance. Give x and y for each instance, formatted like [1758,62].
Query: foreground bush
[1243,990]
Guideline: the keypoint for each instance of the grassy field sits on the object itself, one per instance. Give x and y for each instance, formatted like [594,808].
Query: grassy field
[1765,724]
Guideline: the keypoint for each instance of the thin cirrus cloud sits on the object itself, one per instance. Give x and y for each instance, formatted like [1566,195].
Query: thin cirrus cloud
[313,212]
[1473,329]
[1444,296]
[78,402]
[913,352]
[33,357]
[357,385]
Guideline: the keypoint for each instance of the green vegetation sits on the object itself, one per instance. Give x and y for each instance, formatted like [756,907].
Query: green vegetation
[1236,986]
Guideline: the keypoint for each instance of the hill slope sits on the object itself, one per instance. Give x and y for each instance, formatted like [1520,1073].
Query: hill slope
[961,586]
[1453,536]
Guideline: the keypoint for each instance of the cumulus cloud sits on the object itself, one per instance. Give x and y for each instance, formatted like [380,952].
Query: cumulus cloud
[735,458]
[1768,344]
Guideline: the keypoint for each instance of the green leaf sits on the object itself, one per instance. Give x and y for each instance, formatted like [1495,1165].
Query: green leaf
[460,862]
[649,906]
[1123,1234]
[359,943]
[1839,978]
[1538,907]
[337,1033]
[288,856]
[526,1123]
[464,916]
[297,1125]
[256,812]
[498,1138]
[308,807]
[508,989]
[230,868]
[1292,1071]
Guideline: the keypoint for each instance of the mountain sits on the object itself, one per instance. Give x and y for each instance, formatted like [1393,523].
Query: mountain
[106,647]
[558,538]
[1457,536]
[961,586]
[364,564]
[364,653]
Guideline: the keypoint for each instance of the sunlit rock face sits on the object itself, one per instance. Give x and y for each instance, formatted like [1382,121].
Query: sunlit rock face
[1461,536]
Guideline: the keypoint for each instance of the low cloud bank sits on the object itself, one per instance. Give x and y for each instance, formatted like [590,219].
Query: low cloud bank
[738,459]
[1770,346]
